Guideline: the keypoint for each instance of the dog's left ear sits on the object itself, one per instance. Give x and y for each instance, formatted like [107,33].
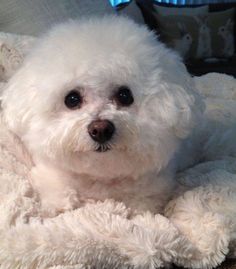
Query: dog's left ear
[184,108]
[173,101]
[175,108]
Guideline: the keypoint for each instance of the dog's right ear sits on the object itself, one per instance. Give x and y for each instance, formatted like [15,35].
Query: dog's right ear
[17,100]
[175,107]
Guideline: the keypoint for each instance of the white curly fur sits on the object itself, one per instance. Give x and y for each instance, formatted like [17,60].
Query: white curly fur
[97,56]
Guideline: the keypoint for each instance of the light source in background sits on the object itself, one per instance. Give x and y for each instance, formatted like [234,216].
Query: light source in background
[119,3]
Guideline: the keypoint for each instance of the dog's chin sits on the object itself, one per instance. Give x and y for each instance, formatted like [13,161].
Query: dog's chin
[104,163]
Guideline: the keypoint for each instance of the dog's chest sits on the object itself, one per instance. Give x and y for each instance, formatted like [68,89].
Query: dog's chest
[60,191]
[150,192]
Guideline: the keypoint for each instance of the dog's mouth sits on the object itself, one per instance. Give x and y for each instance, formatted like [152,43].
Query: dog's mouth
[103,148]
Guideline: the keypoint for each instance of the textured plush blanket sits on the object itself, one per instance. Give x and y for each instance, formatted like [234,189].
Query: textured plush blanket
[198,229]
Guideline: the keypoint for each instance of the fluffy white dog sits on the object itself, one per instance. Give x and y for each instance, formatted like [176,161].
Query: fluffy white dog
[103,109]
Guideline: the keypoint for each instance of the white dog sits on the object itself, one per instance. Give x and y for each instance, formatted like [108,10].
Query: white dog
[103,109]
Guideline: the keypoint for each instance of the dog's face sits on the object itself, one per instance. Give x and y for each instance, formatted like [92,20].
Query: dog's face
[101,98]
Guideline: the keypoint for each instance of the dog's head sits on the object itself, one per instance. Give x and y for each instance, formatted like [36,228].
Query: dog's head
[101,97]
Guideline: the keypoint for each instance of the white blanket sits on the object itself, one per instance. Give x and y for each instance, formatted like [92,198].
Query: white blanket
[103,234]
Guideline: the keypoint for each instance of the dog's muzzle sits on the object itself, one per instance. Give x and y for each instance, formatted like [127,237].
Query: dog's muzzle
[101,131]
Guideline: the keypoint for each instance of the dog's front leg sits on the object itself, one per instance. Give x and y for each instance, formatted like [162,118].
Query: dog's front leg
[55,189]
[208,228]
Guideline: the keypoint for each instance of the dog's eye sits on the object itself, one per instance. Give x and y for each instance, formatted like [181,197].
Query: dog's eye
[73,99]
[124,96]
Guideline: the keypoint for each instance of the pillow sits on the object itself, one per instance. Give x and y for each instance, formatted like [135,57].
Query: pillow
[199,36]
[221,25]
[179,32]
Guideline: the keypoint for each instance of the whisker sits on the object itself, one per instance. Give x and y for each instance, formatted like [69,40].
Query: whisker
[102,147]
[108,145]
[128,127]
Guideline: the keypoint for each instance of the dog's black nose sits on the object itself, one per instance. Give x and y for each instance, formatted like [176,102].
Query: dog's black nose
[101,131]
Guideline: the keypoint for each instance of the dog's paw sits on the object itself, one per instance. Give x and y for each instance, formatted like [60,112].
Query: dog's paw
[208,231]
[211,237]
[159,241]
